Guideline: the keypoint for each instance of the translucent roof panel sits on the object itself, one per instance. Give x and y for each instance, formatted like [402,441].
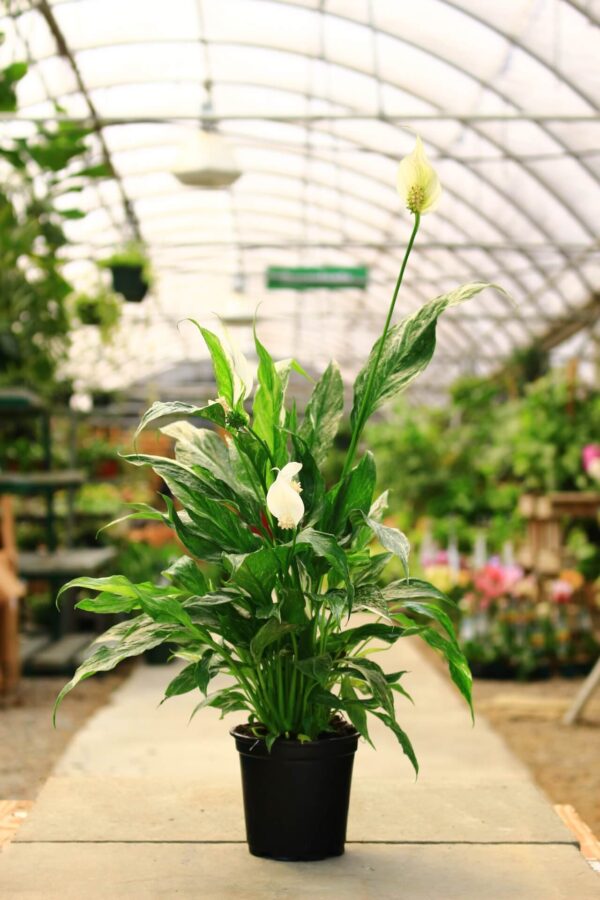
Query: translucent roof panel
[320,99]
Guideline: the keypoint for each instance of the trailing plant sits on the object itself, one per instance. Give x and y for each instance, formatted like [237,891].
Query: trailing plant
[102,309]
[39,174]
[296,557]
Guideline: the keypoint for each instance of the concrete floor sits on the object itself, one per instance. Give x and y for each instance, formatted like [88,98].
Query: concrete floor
[143,805]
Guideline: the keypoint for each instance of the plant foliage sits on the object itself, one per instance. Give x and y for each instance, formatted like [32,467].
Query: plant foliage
[40,174]
[280,618]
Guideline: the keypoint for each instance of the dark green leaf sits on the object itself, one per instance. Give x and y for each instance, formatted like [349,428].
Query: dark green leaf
[313,485]
[355,710]
[354,493]
[326,546]
[317,667]
[184,573]
[403,738]
[455,658]
[227,700]
[184,682]
[349,638]
[257,572]
[123,640]
[267,634]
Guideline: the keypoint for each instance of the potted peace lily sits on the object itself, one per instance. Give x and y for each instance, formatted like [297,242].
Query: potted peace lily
[298,559]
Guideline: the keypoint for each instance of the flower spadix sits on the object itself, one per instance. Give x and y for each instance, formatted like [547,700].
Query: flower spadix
[283,497]
[417,181]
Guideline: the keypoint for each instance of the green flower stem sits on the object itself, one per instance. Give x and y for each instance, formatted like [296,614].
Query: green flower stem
[263,444]
[361,418]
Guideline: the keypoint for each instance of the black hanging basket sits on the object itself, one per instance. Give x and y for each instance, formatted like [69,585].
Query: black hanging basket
[129,281]
[296,796]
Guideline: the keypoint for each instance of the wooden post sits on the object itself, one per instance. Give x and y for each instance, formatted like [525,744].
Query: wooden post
[11,591]
[583,695]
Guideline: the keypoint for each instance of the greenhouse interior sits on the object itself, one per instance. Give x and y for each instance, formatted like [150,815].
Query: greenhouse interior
[300,423]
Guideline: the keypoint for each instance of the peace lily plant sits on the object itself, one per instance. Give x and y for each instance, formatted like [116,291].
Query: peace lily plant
[297,557]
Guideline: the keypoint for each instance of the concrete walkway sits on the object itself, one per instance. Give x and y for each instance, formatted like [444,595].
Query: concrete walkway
[143,806]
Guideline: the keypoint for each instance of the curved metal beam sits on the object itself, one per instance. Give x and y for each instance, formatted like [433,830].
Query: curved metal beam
[478,175]
[451,64]
[566,206]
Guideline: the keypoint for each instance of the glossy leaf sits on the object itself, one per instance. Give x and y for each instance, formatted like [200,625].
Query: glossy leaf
[326,546]
[212,412]
[131,639]
[268,403]
[407,351]
[221,361]
[184,573]
[323,413]
[391,539]
[352,495]
[270,632]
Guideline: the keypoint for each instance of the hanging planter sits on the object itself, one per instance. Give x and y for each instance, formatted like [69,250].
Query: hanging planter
[131,274]
[129,281]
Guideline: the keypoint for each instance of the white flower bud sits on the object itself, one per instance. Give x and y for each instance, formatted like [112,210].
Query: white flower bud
[283,497]
[417,181]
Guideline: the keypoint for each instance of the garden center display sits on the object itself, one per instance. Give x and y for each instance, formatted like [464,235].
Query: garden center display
[296,562]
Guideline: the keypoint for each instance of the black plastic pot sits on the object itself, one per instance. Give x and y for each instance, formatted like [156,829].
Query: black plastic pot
[296,797]
[129,281]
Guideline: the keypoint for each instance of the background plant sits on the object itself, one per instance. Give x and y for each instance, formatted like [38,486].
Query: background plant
[38,173]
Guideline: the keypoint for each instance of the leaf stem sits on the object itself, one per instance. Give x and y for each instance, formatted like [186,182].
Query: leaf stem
[362,415]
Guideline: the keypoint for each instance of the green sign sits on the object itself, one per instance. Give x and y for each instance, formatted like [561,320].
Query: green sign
[304,278]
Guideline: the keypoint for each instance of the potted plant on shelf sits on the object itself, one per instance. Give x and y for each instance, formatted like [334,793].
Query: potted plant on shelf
[131,272]
[297,564]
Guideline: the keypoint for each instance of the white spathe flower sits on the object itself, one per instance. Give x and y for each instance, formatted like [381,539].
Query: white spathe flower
[417,181]
[283,497]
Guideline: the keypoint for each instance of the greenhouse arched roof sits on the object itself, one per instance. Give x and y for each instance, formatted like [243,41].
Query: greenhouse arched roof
[320,99]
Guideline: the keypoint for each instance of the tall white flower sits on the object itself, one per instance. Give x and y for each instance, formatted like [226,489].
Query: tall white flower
[417,181]
[283,497]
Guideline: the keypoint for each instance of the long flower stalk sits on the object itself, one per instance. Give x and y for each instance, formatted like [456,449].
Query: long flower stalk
[361,418]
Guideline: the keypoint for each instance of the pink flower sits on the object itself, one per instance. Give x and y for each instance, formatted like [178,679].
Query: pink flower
[490,581]
[561,591]
[590,456]
[495,579]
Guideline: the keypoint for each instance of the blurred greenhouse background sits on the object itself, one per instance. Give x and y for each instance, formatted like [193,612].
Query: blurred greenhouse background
[236,161]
